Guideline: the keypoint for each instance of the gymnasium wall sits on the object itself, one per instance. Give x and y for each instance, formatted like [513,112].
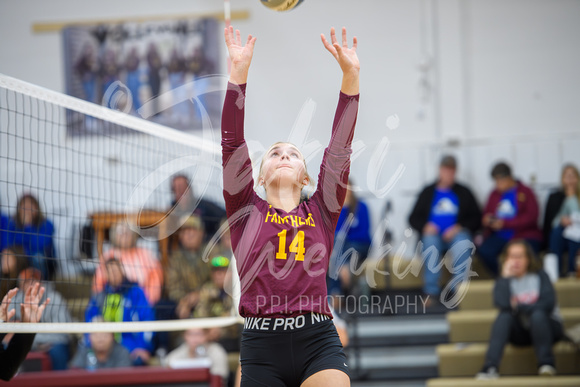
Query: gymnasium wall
[484,80]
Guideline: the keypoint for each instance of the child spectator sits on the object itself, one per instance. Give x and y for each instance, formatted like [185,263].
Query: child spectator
[197,346]
[528,313]
[214,301]
[139,264]
[122,300]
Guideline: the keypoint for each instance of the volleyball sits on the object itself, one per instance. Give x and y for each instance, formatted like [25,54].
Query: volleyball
[281,5]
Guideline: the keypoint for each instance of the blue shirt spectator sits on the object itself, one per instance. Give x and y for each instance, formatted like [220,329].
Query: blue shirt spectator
[34,232]
[122,300]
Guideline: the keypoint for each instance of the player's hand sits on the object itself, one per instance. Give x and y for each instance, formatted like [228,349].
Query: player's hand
[31,310]
[6,315]
[346,57]
[240,55]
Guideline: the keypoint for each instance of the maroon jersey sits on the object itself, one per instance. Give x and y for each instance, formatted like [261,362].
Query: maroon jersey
[282,257]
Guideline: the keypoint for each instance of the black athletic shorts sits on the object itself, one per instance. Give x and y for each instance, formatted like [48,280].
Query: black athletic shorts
[288,355]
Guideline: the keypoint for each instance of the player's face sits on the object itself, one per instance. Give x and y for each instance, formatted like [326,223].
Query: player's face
[283,164]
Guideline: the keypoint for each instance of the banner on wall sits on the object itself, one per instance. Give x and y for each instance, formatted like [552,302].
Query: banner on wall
[153,70]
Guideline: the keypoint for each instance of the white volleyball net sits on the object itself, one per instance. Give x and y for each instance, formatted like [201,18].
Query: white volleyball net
[71,172]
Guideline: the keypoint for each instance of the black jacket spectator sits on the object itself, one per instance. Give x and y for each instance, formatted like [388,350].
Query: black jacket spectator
[469,215]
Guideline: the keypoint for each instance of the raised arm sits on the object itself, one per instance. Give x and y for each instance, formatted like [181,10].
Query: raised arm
[347,58]
[237,175]
[240,55]
[335,168]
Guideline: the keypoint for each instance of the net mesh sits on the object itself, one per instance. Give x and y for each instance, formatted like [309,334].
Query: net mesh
[119,172]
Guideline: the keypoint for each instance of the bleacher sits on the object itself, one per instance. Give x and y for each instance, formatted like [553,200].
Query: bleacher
[469,330]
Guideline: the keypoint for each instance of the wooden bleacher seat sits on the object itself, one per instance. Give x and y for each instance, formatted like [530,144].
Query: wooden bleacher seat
[466,359]
[479,294]
[475,325]
[522,381]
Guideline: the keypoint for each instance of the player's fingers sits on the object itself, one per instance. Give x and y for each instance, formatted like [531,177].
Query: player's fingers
[338,49]
[344,41]
[354,43]
[238,37]
[10,315]
[327,45]
[40,294]
[332,35]
[252,42]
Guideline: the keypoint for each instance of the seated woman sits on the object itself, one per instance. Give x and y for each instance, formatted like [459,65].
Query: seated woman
[352,232]
[139,264]
[562,205]
[32,230]
[122,300]
[528,314]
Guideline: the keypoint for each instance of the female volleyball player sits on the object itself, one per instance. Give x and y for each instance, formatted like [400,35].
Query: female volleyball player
[282,244]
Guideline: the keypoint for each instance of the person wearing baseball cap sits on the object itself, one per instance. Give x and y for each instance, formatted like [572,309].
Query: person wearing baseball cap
[445,214]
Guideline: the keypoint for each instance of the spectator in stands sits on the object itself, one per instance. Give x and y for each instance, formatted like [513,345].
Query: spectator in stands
[214,301]
[197,346]
[187,272]
[446,215]
[56,345]
[511,212]
[13,353]
[185,203]
[562,208]
[4,222]
[14,260]
[223,245]
[102,351]
[139,263]
[353,231]
[122,300]
[528,313]
[32,230]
